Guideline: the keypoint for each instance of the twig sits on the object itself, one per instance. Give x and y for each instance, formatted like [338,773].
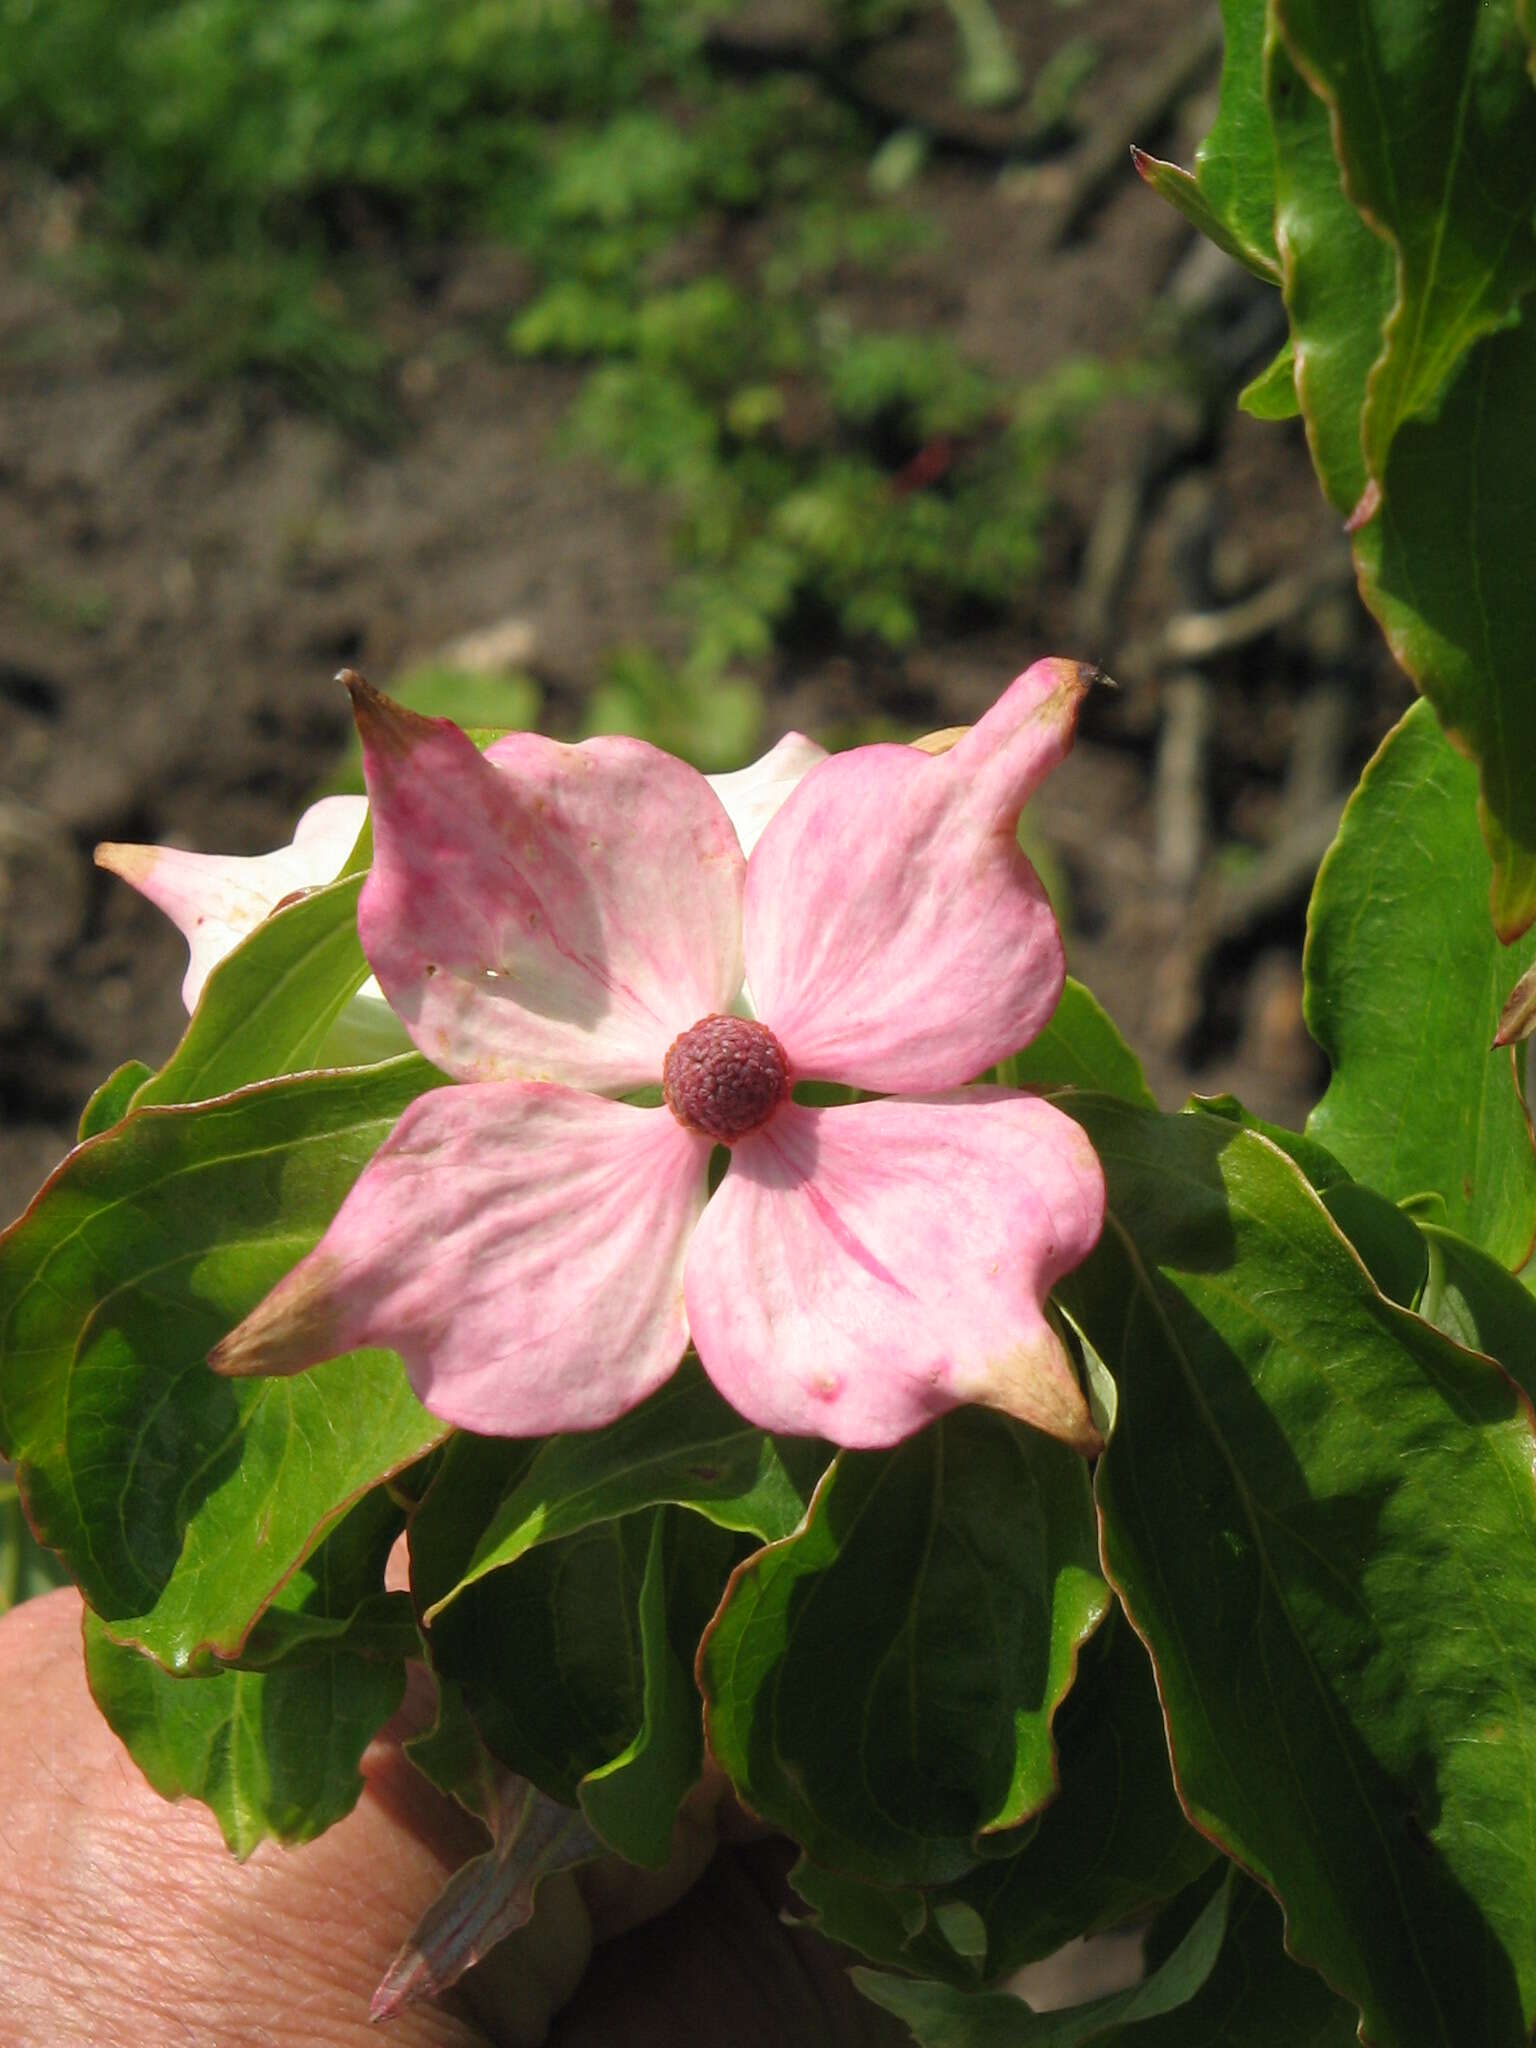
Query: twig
[1179,811]
[1199,635]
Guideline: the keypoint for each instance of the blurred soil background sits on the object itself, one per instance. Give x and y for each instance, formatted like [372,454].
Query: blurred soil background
[697,371]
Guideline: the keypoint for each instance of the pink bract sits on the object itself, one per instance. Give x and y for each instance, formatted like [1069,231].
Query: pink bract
[547,921]
[216,899]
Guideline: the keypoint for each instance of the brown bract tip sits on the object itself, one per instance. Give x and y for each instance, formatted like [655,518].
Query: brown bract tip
[385,726]
[133,863]
[293,1328]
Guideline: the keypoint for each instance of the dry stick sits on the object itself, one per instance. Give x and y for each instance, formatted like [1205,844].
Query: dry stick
[1178,788]
[1198,635]
[1315,786]
[1121,521]
[1103,158]
[1180,811]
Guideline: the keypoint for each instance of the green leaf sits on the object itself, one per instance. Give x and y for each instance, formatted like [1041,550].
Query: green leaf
[1272,394]
[182,1501]
[1384,1235]
[1434,120]
[1231,196]
[1253,1997]
[1405,982]
[1080,1048]
[1474,1301]
[940,2017]
[550,1654]
[110,1102]
[1390,1246]
[1440,540]
[632,1801]
[1445,567]
[882,1683]
[268,1007]
[1338,280]
[1315,1160]
[336,1598]
[452,1756]
[1256,1997]
[1318,1512]
[1113,1842]
[684,1445]
[575,1653]
[274,1754]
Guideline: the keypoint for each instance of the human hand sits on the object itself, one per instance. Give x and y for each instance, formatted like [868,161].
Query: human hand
[125,1922]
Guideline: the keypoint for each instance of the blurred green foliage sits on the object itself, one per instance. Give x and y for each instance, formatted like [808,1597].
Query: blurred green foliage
[26,1568]
[245,163]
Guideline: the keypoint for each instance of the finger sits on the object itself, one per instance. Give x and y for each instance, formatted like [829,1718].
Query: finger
[126,1920]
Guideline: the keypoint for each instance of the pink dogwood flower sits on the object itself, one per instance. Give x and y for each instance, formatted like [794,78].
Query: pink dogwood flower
[560,927]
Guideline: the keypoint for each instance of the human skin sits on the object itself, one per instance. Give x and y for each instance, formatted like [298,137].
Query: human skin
[125,1922]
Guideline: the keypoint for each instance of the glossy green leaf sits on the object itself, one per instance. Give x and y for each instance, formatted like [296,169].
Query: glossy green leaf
[882,1683]
[1231,195]
[180,1500]
[336,1598]
[1440,544]
[1272,394]
[1390,1245]
[452,1755]
[1445,566]
[1474,1300]
[1256,1996]
[1384,1235]
[684,1445]
[110,1102]
[632,1800]
[1404,985]
[940,2017]
[274,1753]
[550,1653]
[1319,1513]
[1315,1160]
[268,1007]
[1080,1048]
[1113,1842]
[575,1655]
[1253,1997]
[1434,120]
[1184,192]
[572,1661]
[1337,277]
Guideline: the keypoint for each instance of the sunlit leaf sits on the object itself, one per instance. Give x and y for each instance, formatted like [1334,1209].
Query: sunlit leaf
[882,1683]
[273,1754]
[182,1501]
[268,1007]
[1405,982]
[1319,1513]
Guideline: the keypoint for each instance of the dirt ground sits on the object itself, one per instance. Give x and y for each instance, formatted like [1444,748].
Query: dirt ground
[182,570]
